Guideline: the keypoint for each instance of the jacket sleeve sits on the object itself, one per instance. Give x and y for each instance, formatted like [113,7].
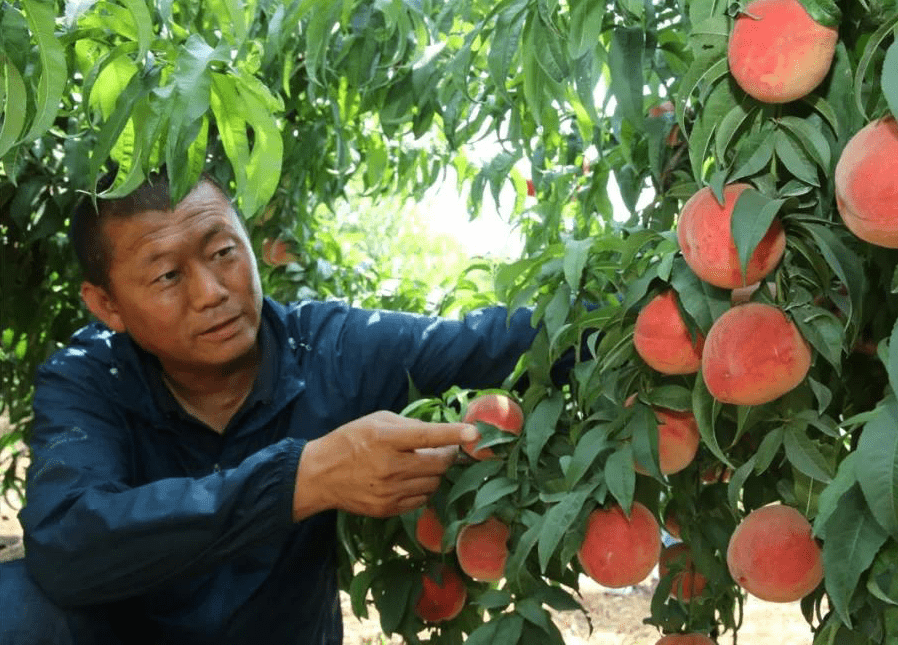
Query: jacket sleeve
[92,536]
[373,354]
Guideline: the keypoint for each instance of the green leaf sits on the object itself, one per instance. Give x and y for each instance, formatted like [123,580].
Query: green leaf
[514,568]
[715,109]
[558,521]
[672,397]
[804,454]
[892,363]
[704,302]
[737,481]
[585,26]
[852,539]
[625,60]
[890,77]
[472,478]
[550,55]
[759,148]
[576,253]
[811,139]
[15,95]
[494,490]
[41,18]
[878,452]
[540,425]
[751,219]
[143,21]
[823,330]
[502,629]
[846,264]
[870,50]
[705,408]
[728,127]
[533,612]
[768,449]
[620,476]
[505,43]
[794,158]
[588,447]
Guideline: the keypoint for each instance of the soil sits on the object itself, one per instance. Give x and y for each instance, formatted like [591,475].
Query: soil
[616,617]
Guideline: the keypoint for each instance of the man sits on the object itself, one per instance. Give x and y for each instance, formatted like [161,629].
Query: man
[190,451]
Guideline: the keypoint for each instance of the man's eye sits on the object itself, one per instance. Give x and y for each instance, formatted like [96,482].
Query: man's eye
[167,277]
[225,251]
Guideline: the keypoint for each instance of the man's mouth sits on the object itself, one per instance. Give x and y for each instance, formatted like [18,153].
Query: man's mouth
[219,326]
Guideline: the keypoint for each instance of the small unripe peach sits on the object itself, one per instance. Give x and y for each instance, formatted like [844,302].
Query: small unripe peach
[441,600]
[773,555]
[662,339]
[495,409]
[705,236]
[867,184]
[754,354]
[429,531]
[620,551]
[687,582]
[482,549]
[777,53]
[678,440]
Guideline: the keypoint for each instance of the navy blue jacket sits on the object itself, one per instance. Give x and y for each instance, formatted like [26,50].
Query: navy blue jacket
[128,497]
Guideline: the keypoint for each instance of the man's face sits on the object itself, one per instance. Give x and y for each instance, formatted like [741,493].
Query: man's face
[184,284]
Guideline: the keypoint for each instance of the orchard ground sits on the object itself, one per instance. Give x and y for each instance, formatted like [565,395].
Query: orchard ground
[616,616]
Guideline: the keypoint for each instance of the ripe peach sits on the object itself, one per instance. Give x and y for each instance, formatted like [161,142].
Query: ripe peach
[866,183]
[678,440]
[429,531]
[773,555]
[777,52]
[687,582]
[441,600]
[685,639]
[495,409]
[662,339]
[754,354]
[706,240]
[619,551]
[275,253]
[482,549]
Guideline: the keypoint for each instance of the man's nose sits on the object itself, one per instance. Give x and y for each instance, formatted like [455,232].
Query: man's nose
[207,289]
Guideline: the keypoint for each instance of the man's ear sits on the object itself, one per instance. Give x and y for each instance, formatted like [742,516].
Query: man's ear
[102,305]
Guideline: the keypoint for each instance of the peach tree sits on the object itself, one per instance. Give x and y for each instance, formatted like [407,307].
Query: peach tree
[300,106]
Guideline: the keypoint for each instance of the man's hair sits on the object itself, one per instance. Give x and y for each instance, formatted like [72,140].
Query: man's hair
[93,250]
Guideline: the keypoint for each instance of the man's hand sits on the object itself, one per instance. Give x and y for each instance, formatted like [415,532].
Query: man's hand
[379,465]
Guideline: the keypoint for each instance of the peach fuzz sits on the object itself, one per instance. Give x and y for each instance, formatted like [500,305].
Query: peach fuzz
[685,639]
[429,532]
[441,600]
[482,549]
[867,185]
[620,551]
[495,409]
[754,354]
[678,440]
[777,53]
[705,236]
[662,340]
[687,582]
[773,555]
